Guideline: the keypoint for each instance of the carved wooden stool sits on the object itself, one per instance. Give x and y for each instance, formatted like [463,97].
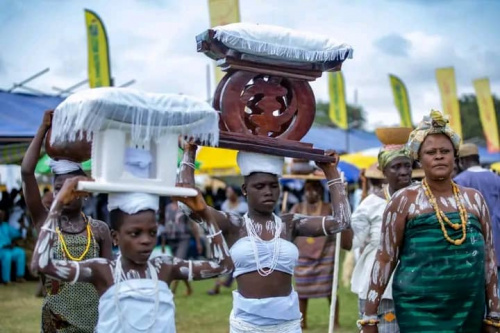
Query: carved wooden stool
[265,101]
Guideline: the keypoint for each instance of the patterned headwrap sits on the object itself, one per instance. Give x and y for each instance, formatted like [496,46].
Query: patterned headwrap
[436,123]
[389,152]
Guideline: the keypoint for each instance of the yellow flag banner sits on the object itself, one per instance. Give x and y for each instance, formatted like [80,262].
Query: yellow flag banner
[487,114]
[98,53]
[401,100]
[338,107]
[223,12]
[448,88]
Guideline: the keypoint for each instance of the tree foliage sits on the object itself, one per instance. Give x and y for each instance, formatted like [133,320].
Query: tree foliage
[355,115]
[472,129]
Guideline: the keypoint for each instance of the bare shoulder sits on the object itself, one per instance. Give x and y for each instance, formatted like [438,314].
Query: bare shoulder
[289,217]
[405,196]
[473,200]
[236,220]
[411,192]
[98,226]
[405,203]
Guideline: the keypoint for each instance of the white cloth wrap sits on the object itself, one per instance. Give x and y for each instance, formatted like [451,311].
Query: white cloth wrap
[62,167]
[148,115]
[136,308]
[255,162]
[132,203]
[271,314]
[366,224]
[282,43]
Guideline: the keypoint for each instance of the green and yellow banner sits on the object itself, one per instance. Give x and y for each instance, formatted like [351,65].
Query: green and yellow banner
[98,52]
[338,106]
[223,12]
[401,100]
[448,89]
[487,114]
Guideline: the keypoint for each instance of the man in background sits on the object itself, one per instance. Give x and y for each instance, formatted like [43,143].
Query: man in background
[486,182]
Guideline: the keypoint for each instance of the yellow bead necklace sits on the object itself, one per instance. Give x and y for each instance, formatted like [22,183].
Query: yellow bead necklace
[387,194]
[65,248]
[441,216]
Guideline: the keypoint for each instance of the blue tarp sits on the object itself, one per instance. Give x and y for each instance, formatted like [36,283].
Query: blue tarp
[21,115]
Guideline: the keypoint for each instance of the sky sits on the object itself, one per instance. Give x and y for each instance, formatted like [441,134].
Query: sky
[153,42]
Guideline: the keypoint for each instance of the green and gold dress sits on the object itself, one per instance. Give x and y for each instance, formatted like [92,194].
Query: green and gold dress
[71,308]
[438,286]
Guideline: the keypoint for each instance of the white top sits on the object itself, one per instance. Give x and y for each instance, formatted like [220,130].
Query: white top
[129,306]
[136,305]
[366,223]
[282,43]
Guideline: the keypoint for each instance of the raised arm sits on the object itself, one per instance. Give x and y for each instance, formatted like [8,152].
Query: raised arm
[341,212]
[391,239]
[219,264]
[69,271]
[30,186]
[186,177]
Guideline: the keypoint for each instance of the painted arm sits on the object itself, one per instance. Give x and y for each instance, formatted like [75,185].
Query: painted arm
[186,177]
[31,191]
[64,270]
[219,264]
[391,239]
[490,265]
[196,235]
[341,213]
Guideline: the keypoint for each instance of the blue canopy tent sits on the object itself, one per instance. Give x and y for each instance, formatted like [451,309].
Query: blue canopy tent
[21,114]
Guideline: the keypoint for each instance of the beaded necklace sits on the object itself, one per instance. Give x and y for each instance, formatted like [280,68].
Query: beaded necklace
[441,216]
[90,236]
[387,194]
[255,240]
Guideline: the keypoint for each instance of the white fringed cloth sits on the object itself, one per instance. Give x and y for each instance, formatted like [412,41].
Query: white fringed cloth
[146,115]
[277,42]
[239,326]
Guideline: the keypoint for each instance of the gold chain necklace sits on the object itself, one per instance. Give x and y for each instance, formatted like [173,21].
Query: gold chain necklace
[441,216]
[65,247]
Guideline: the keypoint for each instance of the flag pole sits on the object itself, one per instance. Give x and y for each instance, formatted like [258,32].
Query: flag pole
[335,283]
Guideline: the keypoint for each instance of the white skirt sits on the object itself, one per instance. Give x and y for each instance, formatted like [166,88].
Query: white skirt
[239,326]
[273,314]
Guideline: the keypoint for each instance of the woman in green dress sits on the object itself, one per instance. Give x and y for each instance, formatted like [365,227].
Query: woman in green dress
[440,234]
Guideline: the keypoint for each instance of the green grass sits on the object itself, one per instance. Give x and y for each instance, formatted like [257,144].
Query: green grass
[20,310]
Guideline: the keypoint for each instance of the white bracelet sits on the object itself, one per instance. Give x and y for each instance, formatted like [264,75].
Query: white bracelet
[190,273]
[323,225]
[213,235]
[371,317]
[77,272]
[48,229]
[189,164]
[334,181]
